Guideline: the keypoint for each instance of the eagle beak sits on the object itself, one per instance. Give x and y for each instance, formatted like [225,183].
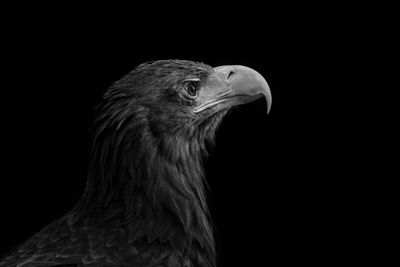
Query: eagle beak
[241,85]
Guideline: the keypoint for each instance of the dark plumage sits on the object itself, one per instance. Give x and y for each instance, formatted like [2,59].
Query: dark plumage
[144,203]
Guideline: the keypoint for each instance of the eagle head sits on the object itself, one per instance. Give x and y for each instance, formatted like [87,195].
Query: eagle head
[184,99]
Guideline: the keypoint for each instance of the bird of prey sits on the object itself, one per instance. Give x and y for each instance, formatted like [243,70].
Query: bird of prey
[144,202]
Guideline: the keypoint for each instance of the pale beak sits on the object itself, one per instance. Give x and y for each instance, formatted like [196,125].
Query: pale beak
[242,85]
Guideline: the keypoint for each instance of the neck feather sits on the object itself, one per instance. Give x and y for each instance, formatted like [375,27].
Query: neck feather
[154,182]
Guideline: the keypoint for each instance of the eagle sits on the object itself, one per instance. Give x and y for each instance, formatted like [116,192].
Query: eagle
[145,203]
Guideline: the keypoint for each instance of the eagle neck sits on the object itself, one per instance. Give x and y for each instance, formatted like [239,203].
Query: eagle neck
[154,187]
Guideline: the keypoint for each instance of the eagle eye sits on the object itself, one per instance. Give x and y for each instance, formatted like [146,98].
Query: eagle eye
[190,90]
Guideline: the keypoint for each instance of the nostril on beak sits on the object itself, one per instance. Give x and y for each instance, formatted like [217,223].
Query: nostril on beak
[230,73]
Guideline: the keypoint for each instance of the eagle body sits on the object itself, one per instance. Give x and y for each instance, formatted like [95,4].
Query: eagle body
[144,202]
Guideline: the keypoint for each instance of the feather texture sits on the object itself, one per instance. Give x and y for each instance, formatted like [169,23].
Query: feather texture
[144,203]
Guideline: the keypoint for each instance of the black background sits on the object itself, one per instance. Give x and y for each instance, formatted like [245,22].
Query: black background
[285,187]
